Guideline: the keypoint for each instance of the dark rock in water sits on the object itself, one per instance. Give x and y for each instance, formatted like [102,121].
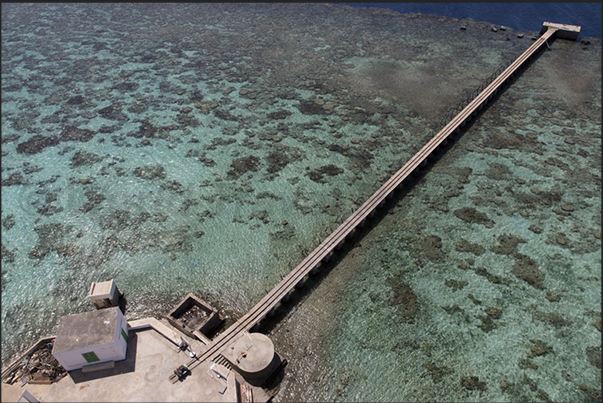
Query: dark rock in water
[279,115]
[146,129]
[554,296]
[24,123]
[487,324]
[310,108]
[188,120]
[52,232]
[87,207]
[539,348]
[7,254]
[431,247]
[150,172]
[195,96]
[12,88]
[465,246]
[49,209]
[138,108]
[494,312]
[126,87]
[173,186]
[403,297]
[27,169]
[99,46]
[77,100]
[39,251]
[36,144]
[243,165]
[551,319]
[330,170]
[112,112]
[50,235]
[14,179]
[507,244]
[147,58]
[72,133]
[358,116]
[225,115]
[8,222]
[535,229]
[277,161]
[10,138]
[498,172]
[118,219]
[107,129]
[592,353]
[94,197]
[437,372]
[526,270]
[315,176]
[83,158]
[471,215]
[455,284]
[473,383]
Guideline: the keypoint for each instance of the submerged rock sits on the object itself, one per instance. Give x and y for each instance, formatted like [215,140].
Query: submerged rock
[150,172]
[473,383]
[310,108]
[243,165]
[471,215]
[15,179]
[431,247]
[594,356]
[330,170]
[507,244]
[76,100]
[72,133]
[36,144]
[8,222]
[112,112]
[10,138]
[403,298]
[81,158]
[525,269]
[7,254]
[465,246]
[50,236]
[279,115]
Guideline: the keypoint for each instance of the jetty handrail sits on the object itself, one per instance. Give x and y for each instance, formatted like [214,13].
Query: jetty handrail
[269,301]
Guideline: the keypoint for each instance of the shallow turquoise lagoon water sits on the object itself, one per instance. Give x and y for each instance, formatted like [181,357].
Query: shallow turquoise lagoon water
[208,148]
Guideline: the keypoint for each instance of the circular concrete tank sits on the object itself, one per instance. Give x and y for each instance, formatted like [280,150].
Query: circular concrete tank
[253,356]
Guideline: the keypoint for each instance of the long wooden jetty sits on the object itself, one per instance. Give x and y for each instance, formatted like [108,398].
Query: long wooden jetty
[334,241]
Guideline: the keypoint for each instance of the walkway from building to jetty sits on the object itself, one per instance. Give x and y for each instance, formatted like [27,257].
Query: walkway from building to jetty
[334,241]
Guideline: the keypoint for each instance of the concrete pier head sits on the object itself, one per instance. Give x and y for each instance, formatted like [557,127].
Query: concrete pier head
[564,31]
[252,355]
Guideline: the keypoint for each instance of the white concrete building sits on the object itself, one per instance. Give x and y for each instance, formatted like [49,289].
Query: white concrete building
[91,338]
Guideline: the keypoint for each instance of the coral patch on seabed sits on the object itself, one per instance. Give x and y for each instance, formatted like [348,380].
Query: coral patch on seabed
[36,144]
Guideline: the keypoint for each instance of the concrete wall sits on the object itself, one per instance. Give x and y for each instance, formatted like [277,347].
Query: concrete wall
[115,351]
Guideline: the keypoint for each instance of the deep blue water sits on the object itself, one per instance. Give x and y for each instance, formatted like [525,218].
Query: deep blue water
[519,16]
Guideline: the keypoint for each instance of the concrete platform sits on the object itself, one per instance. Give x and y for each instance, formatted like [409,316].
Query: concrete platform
[144,376]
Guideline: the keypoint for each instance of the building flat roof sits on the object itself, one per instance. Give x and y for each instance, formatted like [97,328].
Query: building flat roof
[86,329]
[102,288]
